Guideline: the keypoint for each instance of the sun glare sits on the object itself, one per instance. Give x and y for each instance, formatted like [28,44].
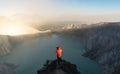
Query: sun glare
[13,30]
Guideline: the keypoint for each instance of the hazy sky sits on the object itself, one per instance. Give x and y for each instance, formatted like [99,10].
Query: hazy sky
[75,9]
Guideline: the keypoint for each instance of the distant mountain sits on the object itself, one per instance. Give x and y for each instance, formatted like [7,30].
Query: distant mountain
[57,27]
[73,26]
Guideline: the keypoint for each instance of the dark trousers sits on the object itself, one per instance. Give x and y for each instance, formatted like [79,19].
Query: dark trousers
[59,59]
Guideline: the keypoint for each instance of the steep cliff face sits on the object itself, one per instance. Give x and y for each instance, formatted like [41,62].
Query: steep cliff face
[103,44]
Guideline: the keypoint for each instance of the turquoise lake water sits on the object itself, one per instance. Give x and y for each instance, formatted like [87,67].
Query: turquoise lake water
[30,55]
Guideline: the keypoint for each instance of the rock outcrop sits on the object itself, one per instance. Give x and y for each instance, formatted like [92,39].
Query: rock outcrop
[54,67]
[7,68]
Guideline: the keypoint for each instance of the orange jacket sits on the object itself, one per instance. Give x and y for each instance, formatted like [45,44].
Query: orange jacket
[59,52]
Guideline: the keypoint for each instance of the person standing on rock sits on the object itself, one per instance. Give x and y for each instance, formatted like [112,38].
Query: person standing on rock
[59,54]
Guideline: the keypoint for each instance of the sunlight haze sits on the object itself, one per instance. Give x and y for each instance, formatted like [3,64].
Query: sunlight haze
[49,9]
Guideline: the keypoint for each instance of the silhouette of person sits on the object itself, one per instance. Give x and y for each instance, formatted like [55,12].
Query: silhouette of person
[59,54]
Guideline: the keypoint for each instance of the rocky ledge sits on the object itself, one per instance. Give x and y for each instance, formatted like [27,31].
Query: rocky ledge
[53,67]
